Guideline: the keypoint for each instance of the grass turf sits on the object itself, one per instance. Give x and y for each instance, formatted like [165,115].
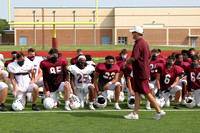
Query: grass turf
[87,47]
[95,122]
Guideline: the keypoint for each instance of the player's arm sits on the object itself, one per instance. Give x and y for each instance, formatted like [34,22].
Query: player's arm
[175,82]
[158,80]
[72,79]
[111,82]
[16,90]
[96,76]
[39,75]
[33,76]
[121,74]
[92,77]
[129,85]
[129,61]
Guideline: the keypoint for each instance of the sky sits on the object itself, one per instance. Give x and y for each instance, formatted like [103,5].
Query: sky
[90,3]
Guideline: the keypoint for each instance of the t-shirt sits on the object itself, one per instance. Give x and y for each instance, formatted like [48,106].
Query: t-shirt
[142,57]
[54,74]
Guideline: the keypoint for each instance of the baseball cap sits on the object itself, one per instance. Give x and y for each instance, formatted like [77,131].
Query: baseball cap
[137,29]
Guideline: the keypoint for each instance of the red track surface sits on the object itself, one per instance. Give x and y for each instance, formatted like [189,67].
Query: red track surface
[92,53]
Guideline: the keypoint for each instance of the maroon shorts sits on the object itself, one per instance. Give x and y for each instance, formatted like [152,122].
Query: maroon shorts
[140,85]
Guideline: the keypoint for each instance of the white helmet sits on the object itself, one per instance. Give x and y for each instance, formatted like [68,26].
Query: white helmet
[160,101]
[48,103]
[17,105]
[190,102]
[74,102]
[131,102]
[121,96]
[100,101]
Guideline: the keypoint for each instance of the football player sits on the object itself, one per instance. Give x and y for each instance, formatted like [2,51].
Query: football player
[1,62]
[37,70]
[3,89]
[193,78]
[155,60]
[185,54]
[108,74]
[55,77]
[161,56]
[122,56]
[81,76]
[22,83]
[75,59]
[167,80]
[13,56]
[183,80]
[89,60]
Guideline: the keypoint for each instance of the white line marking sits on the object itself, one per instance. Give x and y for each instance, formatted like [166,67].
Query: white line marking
[74,111]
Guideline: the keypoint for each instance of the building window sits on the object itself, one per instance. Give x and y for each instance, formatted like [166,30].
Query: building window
[122,40]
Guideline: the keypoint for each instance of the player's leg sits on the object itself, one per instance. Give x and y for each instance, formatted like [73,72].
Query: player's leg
[90,87]
[3,95]
[151,86]
[183,84]
[34,88]
[197,97]
[65,86]
[177,90]
[117,93]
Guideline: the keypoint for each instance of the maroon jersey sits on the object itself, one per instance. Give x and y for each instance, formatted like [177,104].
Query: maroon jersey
[142,55]
[106,75]
[128,70]
[162,57]
[193,78]
[54,74]
[121,63]
[189,60]
[153,67]
[184,65]
[8,62]
[167,77]
[74,60]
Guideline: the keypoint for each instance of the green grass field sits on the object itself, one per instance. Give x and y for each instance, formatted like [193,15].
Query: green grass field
[85,121]
[87,47]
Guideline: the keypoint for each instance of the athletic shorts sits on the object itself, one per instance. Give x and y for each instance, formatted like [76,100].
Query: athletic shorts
[140,85]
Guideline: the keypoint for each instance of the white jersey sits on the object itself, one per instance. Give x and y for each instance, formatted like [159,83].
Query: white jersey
[1,57]
[22,78]
[1,65]
[36,63]
[91,63]
[82,76]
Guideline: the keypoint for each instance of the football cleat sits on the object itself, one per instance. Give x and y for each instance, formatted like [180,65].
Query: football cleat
[35,107]
[2,107]
[131,116]
[116,106]
[91,107]
[159,115]
[176,106]
[67,108]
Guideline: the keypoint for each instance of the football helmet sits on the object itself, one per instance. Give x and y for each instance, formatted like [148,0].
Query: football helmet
[100,101]
[131,102]
[48,103]
[74,102]
[190,102]
[160,101]
[121,96]
[17,105]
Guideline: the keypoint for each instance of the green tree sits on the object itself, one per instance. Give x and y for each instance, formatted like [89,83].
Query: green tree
[3,25]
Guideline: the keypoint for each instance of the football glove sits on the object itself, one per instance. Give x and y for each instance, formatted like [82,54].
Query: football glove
[158,94]
[168,89]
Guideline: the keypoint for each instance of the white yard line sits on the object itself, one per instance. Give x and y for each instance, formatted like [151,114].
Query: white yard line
[82,111]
